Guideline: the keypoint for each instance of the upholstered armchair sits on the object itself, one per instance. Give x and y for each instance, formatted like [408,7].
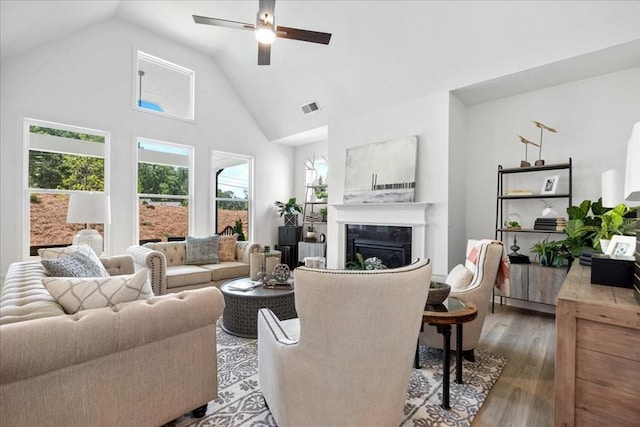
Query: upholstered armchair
[346,360]
[470,282]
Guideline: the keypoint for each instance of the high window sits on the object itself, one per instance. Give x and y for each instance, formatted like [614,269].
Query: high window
[62,159]
[232,199]
[165,183]
[163,87]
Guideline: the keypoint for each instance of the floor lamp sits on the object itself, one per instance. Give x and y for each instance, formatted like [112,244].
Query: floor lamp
[89,208]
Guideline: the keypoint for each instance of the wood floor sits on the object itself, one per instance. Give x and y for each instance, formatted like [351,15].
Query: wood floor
[524,393]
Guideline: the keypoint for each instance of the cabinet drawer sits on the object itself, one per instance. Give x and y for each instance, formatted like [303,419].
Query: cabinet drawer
[605,338]
[545,283]
[619,374]
[616,409]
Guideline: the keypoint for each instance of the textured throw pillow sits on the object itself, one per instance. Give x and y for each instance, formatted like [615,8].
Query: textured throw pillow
[61,252]
[459,278]
[83,293]
[202,250]
[76,264]
[227,248]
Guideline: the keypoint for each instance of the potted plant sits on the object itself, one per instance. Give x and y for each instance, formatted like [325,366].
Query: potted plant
[289,210]
[551,253]
[360,263]
[323,214]
[513,225]
[583,219]
[612,222]
[237,228]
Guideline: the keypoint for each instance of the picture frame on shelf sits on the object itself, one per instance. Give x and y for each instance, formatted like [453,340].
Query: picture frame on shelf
[621,246]
[550,184]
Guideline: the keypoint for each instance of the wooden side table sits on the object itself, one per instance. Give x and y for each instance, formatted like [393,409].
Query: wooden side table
[451,312]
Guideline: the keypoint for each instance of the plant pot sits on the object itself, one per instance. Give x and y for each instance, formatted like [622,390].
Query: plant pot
[290,219]
[438,295]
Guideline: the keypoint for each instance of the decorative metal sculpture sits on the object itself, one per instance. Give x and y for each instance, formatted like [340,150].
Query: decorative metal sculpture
[525,163]
[542,127]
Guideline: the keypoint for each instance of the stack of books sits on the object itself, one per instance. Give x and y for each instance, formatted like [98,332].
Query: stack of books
[517,192]
[550,224]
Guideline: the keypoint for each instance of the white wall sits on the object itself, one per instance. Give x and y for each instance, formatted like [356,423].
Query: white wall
[594,118]
[428,119]
[458,209]
[88,80]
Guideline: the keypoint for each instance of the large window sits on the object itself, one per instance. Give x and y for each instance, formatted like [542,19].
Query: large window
[232,199]
[62,159]
[163,87]
[165,185]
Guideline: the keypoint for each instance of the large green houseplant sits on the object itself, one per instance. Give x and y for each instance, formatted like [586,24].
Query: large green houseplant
[612,222]
[289,210]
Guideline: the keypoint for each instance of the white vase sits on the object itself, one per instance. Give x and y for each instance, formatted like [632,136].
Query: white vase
[604,244]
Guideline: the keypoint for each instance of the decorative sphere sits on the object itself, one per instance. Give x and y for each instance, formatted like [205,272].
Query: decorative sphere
[281,272]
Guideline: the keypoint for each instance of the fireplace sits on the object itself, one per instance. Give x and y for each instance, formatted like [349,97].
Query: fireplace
[391,244]
[411,217]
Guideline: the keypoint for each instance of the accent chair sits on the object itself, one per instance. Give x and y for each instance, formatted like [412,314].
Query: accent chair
[347,359]
[471,282]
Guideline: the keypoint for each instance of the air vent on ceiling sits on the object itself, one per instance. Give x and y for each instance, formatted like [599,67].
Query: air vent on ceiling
[310,108]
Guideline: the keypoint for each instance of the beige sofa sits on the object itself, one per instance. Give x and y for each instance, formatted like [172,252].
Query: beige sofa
[168,272]
[141,363]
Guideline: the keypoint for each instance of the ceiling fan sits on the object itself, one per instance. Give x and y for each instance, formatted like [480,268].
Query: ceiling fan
[266,30]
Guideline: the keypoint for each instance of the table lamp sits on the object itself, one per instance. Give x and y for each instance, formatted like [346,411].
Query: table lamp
[89,208]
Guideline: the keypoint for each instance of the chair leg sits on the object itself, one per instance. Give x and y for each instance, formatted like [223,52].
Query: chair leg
[200,411]
[469,355]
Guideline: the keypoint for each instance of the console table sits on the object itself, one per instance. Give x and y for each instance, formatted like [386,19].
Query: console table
[597,376]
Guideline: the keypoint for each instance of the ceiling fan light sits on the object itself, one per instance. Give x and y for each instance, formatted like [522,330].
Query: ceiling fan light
[265,34]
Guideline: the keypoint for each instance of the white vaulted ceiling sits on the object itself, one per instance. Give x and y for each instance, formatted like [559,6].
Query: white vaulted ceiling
[382,52]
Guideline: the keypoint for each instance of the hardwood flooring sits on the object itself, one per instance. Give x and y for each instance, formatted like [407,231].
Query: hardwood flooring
[524,393]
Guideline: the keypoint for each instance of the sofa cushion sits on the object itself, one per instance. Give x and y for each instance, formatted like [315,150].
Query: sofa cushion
[227,270]
[186,275]
[227,248]
[76,264]
[65,251]
[82,293]
[202,250]
[174,252]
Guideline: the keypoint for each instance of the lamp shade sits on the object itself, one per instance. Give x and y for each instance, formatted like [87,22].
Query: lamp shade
[612,188]
[632,174]
[89,208]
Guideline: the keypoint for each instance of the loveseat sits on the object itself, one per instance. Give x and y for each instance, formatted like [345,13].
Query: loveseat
[142,363]
[168,272]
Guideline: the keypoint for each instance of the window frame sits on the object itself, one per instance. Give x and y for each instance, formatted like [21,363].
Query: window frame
[213,193]
[138,54]
[191,186]
[26,190]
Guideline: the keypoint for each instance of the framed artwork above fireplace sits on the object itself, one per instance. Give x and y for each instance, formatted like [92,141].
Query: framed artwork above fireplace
[382,172]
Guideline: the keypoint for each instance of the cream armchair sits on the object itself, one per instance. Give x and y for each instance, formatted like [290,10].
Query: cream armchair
[347,359]
[470,284]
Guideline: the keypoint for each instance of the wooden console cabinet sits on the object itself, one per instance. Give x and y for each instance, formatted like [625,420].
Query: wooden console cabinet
[536,283]
[597,376]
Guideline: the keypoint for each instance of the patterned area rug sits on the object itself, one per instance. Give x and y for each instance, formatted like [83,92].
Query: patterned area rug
[240,402]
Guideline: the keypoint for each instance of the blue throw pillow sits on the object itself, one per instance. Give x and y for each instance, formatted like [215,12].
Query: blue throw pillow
[76,264]
[202,250]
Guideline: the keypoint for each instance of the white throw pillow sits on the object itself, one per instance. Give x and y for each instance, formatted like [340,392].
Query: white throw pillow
[459,278]
[65,251]
[82,293]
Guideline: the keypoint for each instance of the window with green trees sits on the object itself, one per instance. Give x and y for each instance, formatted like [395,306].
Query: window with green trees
[164,190]
[62,159]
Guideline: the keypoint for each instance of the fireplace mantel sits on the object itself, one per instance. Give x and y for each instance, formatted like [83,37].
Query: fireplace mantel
[413,215]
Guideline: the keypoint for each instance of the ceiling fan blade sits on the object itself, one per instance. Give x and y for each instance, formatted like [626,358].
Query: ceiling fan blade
[302,35]
[264,54]
[266,6]
[223,23]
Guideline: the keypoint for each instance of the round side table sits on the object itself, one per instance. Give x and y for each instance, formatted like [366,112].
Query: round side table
[240,315]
